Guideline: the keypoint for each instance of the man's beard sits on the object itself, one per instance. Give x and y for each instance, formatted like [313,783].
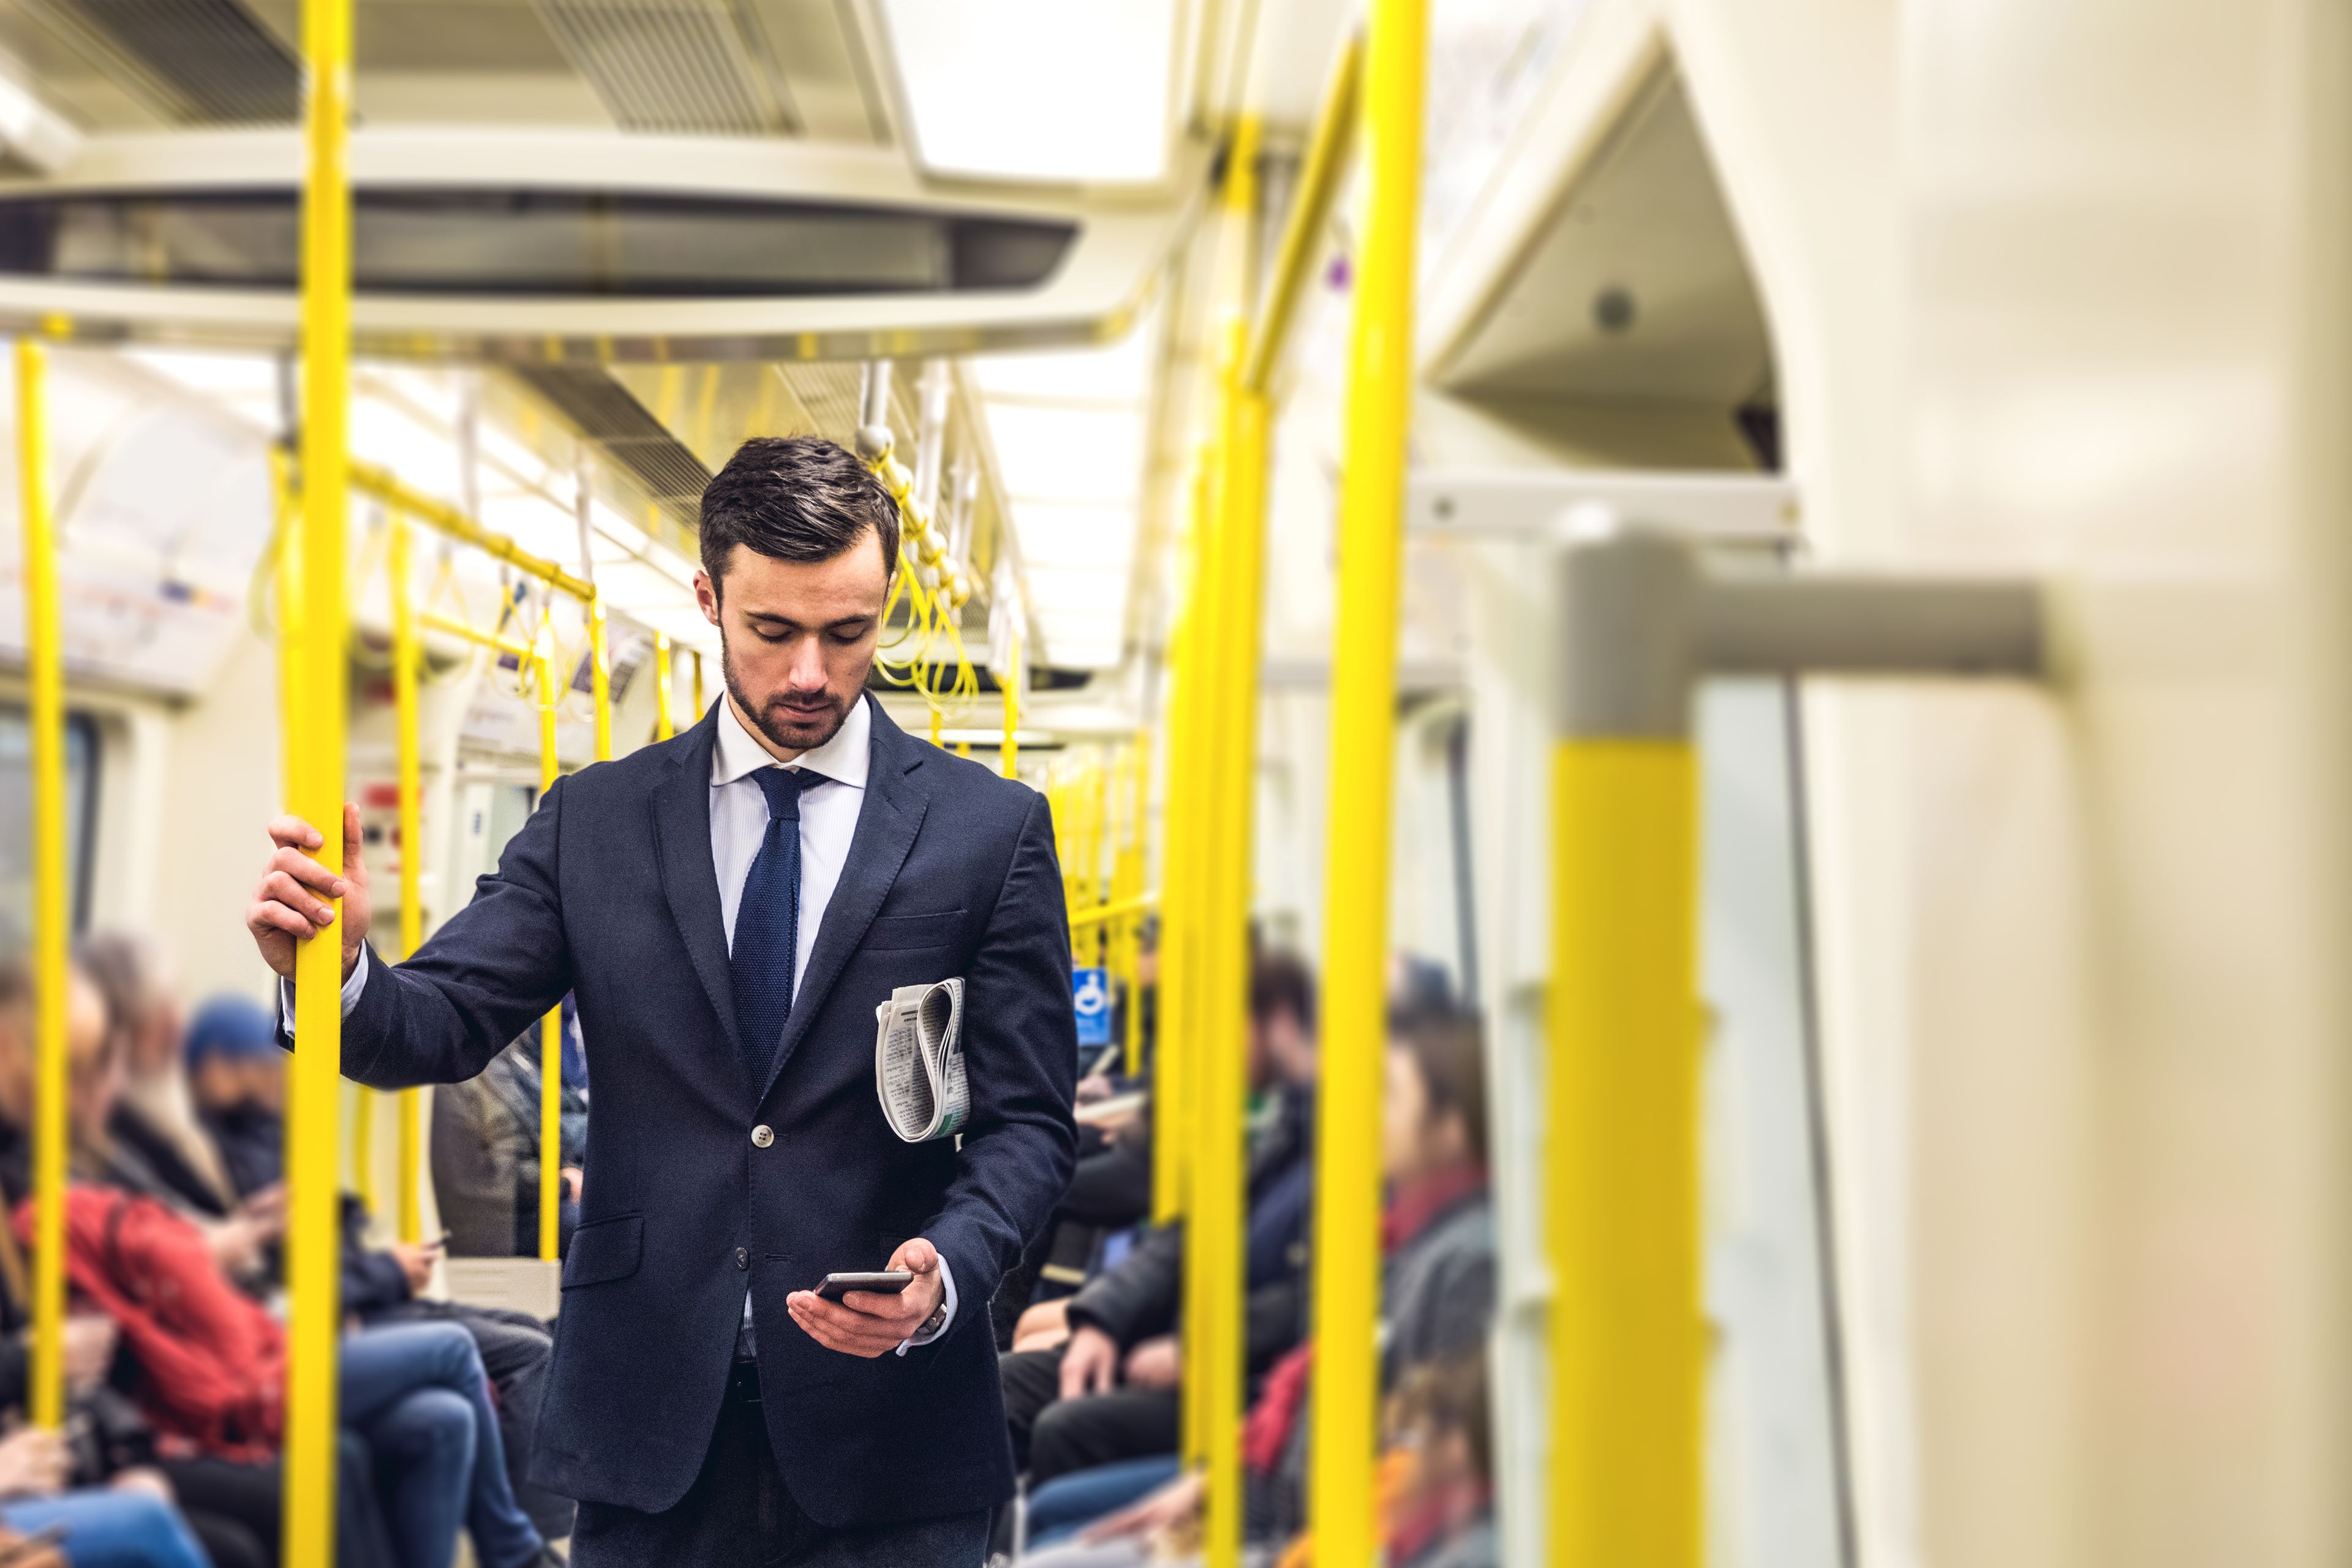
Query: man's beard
[786,730]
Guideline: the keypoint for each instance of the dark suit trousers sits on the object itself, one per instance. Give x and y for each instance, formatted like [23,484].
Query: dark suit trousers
[738,1513]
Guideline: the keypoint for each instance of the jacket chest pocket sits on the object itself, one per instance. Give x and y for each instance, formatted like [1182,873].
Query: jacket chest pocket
[904,934]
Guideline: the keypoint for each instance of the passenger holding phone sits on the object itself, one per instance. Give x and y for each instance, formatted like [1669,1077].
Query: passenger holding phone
[730,907]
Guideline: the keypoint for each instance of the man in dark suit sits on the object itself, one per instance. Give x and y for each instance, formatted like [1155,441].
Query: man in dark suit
[730,907]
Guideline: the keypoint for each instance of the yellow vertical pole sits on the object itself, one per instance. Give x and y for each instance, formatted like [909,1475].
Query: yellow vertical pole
[1131,887]
[1172,1063]
[664,725]
[405,654]
[314,1240]
[285,567]
[1218,1033]
[551,1028]
[698,708]
[45,671]
[1621,1207]
[1010,759]
[600,680]
[1346,1284]
[1224,1127]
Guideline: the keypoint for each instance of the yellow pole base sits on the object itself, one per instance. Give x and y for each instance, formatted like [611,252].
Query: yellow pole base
[1628,1331]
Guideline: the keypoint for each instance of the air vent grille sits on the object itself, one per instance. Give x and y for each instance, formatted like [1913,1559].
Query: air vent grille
[669,65]
[604,411]
[211,58]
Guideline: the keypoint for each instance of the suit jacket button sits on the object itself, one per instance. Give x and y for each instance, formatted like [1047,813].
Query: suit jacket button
[763,1135]
[742,1257]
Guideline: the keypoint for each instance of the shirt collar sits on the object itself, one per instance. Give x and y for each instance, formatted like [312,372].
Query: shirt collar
[844,759]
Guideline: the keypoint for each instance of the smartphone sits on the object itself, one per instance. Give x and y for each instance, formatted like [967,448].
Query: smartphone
[889,1281]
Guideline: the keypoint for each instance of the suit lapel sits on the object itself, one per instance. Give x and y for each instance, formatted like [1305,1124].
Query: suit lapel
[689,881]
[887,821]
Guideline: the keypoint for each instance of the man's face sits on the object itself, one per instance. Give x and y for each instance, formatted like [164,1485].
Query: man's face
[797,637]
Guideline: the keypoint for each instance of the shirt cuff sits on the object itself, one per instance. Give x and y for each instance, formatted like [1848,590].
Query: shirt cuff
[351,987]
[947,1278]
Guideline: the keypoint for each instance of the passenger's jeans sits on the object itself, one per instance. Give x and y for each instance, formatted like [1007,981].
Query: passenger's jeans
[418,1394]
[111,1529]
[1068,1503]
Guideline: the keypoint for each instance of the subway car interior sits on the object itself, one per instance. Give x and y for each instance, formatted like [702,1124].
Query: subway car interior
[1688,659]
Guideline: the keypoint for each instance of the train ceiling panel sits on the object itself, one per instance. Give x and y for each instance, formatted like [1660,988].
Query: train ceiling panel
[744,67]
[659,432]
[676,65]
[1634,286]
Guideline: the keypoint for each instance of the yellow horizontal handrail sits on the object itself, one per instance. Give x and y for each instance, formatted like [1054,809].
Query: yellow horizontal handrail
[443,517]
[1120,910]
[443,624]
[1310,214]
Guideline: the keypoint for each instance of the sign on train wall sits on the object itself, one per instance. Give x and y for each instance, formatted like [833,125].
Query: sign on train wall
[161,514]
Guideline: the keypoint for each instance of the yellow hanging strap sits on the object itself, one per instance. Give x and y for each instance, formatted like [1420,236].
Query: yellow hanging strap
[915,657]
[314,1239]
[1346,1284]
[45,671]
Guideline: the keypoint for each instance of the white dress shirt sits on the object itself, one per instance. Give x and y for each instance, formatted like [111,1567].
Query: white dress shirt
[738,822]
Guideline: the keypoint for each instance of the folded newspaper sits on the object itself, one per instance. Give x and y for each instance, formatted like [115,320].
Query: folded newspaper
[919,1060]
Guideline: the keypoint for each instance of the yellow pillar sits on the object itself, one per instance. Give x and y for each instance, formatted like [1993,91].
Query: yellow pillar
[551,1028]
[599,687]
[1346,1284]
[1128,887]
[699,710]
[1171,1064]
[1008,761]
[45,672]
[1621,1207]
[405,654]
[314,1239]
[664,726]
[286,569]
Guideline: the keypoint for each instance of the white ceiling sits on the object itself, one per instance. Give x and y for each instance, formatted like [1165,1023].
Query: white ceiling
[1069,432]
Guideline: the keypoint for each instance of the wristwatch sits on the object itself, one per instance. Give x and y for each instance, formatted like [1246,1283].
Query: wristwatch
[935,1322]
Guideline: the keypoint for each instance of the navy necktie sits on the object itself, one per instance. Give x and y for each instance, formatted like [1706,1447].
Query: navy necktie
[767,922]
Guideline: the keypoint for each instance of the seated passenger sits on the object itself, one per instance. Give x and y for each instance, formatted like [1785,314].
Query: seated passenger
[131,1524]
[1110,1391]
[154,1120]
[1437,1302]
[486,1154]
[237,1078]
[29,1469]
[204,1359]
[239,1074]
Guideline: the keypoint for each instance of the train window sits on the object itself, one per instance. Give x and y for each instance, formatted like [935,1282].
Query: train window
[16,815]
[604,245]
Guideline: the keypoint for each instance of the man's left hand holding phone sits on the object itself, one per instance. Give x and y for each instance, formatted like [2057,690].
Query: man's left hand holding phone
[872,1323]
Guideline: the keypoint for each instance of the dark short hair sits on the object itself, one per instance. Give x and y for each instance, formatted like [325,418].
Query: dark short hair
[1448,1049]
[1280,982]
[795,498]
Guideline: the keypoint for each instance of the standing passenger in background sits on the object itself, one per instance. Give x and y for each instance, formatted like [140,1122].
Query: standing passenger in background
[731,908]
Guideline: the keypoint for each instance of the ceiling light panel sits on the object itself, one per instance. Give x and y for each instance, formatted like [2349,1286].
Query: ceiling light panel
[1045,90]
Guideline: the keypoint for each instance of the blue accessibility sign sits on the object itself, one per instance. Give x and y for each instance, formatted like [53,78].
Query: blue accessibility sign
[1090,999]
